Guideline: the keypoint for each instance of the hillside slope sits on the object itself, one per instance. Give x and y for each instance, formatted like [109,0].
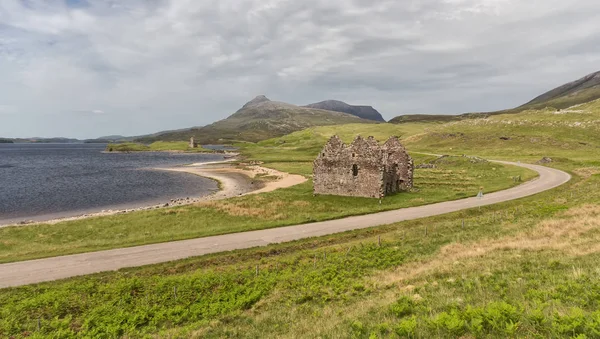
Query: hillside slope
[259,119]
[576,92]
[364,112]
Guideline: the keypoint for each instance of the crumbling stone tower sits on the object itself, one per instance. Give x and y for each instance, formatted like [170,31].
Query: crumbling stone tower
[193,143]
[363,169]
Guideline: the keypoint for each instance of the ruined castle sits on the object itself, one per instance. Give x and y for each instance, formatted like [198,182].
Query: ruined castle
[363,169]
[193,143]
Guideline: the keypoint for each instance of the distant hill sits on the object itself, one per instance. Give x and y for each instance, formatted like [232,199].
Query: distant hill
[402,119]
[574,93]
[111,137]
[257,120]
[577,92]
[364,112]
[46,140]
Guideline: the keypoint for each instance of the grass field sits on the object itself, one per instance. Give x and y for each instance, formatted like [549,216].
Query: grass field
[526,268]
[454,178]
[158,146]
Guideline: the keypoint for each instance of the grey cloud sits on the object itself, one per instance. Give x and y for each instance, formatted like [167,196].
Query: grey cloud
[165,64]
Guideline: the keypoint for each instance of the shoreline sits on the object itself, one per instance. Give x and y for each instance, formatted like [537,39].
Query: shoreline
[232,182]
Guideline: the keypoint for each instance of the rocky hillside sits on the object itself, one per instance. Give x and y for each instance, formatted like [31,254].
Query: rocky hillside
[364,112]
[259,119]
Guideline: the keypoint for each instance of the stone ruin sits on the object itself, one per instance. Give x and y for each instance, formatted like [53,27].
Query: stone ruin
[363,169]
[193,144]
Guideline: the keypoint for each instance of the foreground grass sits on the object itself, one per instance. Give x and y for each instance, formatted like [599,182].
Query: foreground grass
[158,146]
[521,268]
[454,178]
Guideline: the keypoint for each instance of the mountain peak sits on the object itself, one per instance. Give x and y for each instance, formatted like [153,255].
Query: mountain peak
[257,100]
[364,112]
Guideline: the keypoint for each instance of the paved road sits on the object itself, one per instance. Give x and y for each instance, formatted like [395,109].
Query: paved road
[34,271]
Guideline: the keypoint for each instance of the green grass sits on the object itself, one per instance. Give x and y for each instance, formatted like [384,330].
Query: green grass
[305,145]
[349,285]
[454,178]
[530,135]
[158,146]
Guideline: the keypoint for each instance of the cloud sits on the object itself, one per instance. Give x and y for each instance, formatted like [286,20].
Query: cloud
[163,64]
[7,109]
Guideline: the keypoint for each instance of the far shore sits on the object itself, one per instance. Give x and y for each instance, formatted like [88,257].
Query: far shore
[233,181]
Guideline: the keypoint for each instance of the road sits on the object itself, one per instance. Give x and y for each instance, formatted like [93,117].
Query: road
[40,270]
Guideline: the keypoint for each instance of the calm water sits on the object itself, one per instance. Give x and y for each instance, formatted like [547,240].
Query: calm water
[42,181]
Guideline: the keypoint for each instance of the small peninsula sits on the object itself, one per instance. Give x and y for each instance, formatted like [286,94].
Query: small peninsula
[158,146]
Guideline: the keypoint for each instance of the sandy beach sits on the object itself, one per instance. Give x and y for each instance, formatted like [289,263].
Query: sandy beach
[234,180]
[232,184]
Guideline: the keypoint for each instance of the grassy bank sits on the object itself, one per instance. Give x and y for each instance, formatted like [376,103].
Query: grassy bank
[522,268]
[453,178]
[158,146]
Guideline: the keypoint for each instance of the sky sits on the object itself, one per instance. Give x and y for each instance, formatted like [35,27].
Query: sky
[88,68]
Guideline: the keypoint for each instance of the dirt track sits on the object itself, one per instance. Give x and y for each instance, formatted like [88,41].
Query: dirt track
[34,271]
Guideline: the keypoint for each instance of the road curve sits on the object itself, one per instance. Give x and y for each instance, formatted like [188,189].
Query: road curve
[40,270]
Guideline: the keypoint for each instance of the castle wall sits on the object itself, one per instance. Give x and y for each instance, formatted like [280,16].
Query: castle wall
[362,169]
[399,169]
[358,177]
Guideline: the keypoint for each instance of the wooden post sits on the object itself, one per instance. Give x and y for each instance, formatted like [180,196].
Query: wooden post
[463,224]
[379,241]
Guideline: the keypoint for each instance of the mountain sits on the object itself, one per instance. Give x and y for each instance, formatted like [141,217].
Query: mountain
[577,92]
[364,112]
[259,119]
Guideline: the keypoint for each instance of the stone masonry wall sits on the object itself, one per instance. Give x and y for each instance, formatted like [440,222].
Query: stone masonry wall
[362,169]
